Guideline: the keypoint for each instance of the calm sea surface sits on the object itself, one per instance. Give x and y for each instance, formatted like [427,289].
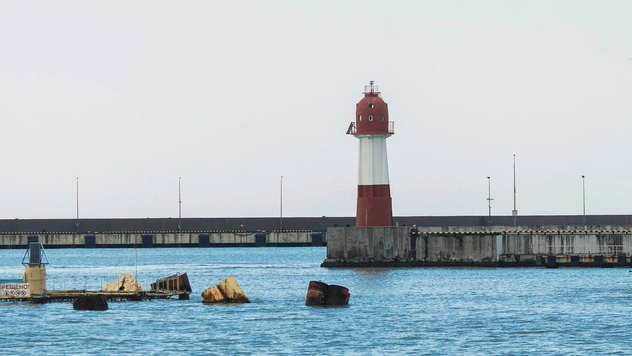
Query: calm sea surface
[391,311]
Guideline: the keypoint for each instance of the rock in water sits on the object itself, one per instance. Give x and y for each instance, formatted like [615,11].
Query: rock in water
[124,283]
[232,290]
[227,291]
[92,302]
[212,294]
[319,293]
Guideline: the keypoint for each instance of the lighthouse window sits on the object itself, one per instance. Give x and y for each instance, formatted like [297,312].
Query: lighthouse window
[382,117]
[359,117]
[371,105]
[370,117]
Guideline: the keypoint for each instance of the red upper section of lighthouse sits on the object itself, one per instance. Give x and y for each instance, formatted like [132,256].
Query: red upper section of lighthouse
[371,114]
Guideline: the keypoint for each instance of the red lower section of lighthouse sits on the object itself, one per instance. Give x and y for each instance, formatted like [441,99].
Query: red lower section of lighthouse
[374,205]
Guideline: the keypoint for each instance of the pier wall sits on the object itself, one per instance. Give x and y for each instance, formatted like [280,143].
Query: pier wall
[165,239]
[368,244]
[471,246]
[560,243]
[316,223]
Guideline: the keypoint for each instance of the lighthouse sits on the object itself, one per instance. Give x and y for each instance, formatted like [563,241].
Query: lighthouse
[372,127]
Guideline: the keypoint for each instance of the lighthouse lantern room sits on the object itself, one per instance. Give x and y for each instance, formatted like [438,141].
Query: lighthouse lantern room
[372,127]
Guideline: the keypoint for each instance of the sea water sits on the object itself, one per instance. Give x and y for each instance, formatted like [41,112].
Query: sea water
[410,311]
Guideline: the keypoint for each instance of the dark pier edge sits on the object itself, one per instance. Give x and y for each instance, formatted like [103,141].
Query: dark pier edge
[389,264]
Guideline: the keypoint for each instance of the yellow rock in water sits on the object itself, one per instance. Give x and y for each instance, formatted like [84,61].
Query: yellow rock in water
[232,290]
[212,294]
[124,283]
[227,291]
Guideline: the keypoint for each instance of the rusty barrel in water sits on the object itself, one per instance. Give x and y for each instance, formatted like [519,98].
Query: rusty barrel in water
[316,293]
[320,293]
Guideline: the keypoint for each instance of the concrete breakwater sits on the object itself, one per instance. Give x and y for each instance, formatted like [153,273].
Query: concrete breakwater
[316,223]
[165,239]
[470,246]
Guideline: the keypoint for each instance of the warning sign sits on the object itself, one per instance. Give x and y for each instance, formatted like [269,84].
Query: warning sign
[15,290]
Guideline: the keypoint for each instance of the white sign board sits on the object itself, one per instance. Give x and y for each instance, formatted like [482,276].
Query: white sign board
[15,290]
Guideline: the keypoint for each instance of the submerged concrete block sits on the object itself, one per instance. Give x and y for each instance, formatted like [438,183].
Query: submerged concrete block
[91,302]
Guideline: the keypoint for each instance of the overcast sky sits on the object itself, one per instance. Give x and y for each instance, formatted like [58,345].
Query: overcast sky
[231,95]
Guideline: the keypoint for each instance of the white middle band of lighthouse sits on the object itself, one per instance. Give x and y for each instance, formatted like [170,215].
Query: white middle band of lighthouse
[373,162]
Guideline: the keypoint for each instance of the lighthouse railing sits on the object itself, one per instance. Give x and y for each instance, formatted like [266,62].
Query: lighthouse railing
[353,129]
[371,89]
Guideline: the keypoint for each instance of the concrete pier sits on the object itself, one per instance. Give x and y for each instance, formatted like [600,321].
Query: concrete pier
[470,246]
[314,223]
[148,239]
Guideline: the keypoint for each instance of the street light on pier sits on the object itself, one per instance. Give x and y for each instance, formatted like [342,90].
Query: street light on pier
[179,204]
[281,206]
[584,199]
[77,221]
[514,212]
[489,200]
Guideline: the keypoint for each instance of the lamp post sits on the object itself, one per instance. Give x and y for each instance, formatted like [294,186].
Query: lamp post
[584,199]
[514,212]
[77,221]
[281,206]
[489,200]
[179,204]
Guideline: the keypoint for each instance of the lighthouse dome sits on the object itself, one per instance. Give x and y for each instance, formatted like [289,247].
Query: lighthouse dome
[372,113]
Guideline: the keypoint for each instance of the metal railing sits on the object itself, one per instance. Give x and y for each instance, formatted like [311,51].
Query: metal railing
[352,129]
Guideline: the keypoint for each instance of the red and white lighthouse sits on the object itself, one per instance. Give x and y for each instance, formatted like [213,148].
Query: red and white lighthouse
[371,127]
